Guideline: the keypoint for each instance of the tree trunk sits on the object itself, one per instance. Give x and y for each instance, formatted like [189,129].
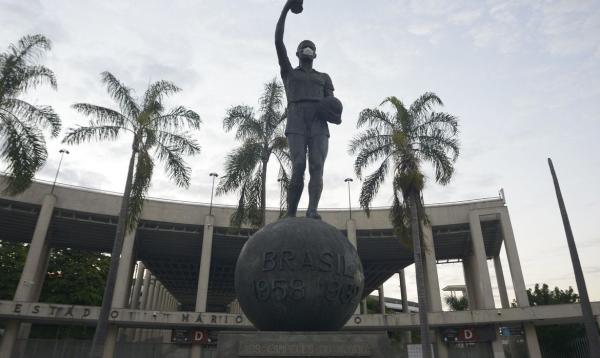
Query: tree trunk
[102,325]
[263,193]
[422,294]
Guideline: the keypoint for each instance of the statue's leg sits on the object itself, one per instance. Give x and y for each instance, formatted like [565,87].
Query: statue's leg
[297,146]
[317,152]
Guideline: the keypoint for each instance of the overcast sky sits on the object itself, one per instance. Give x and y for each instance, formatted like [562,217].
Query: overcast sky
[521,75]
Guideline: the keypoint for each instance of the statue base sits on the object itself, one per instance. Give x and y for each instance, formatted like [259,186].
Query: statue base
[304,344]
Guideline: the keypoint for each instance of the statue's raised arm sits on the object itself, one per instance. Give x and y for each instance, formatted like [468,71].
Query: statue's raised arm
[284,61]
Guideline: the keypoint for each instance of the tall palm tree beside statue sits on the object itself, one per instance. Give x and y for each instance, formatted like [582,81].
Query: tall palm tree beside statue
[22,142]
[156,133]
[399,142]
[246,166]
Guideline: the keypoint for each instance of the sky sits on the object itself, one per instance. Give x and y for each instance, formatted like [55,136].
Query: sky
[521,76]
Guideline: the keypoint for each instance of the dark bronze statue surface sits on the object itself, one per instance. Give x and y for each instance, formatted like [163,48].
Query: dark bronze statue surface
[310,106]
[299,274]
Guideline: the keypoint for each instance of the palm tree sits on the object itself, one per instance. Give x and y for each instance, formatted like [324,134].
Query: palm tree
[155,131]
[246,166]
[21,123]
[457,303]
[402,141]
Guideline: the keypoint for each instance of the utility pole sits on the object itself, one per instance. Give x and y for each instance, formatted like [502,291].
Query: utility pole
[591,330]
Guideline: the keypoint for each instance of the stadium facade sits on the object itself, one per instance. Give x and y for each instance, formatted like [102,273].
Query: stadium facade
[176,272]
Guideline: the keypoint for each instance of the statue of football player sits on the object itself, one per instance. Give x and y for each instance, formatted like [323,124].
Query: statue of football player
[311,105]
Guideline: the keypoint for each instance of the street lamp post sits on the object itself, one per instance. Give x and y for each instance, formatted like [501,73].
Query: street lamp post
[214,176]
[62,153]
[349,180]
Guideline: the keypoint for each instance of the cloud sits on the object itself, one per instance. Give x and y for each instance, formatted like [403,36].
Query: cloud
[519,74]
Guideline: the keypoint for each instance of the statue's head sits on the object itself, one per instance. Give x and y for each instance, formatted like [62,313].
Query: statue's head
[306,50]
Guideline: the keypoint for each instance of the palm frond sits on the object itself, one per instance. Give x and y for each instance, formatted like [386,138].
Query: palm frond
[442,140]
[424,104]
[41,116]
[254,214]
[182,142]
[33,76]
[141,183]
[121,94]
[30,46]
[81,134]
[284,180]
[368,138]
[442,164]
[178,117]
[279,143]
[239,214]
[271,103]
[17,73]
[157,91]
[440,121]
[239,165]
[399,216]
[102,115]
[242,117]
[371,185]
[23,148]
[175,165]
[402,116]
[369,148]
[375,118]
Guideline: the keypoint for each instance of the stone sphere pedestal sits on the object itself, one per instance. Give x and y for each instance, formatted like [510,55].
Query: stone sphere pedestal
[299,274]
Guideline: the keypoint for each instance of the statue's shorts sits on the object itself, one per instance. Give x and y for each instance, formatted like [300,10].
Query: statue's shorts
[301,119]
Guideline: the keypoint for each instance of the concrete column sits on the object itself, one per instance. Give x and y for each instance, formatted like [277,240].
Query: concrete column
[471,292]
[381,299]
[204,275]
[37,256]
[363,306]
[149,304]
[157,291]
[404,297]
[205,259]
[514,263]
[531,339]
[124,274]
[497,347]
[163,298]
[481,276]
[483,284]
[25,328]
[121,293]
[407,336]
[351,232]
[432,284]
[501,282]
[143,302]
[145,289]
[137,286]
